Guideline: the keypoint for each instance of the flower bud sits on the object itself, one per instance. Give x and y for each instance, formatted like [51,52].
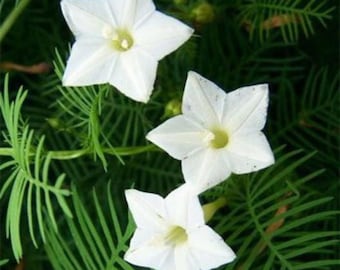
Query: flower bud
[57,124]
[172,108]
[210,209]
[203,13]
[54,122]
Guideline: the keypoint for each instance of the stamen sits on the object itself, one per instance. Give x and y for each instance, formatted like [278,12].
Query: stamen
[125,44]
[122,40]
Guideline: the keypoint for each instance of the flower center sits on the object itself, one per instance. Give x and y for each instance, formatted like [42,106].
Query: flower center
[121,39]
[176,235]
[220,139]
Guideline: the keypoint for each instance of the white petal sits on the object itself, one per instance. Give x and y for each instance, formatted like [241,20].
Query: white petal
[87,16]
[203,100]
[179,136]
[91,62]
[246,109]
[142,236]
[148,253]
[161,34]
[209,249]
[184,259]
[183,208]
[128,13]
[249,153]
[147,209]
[134,74]
[169,262]
[205,169]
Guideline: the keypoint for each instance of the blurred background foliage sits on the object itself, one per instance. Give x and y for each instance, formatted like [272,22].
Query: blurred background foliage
[284,217]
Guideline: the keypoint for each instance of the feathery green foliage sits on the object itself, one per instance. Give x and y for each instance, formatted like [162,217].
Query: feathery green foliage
[99,239]
[83,107]
[274,221]
[284,217]
[290,17]
[312,122]
[29,178]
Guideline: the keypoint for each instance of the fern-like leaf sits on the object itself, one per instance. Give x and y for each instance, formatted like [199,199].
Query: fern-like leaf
[313,118]
[247,63]
[98,240]
[290,16]
[81,109]
[28,180]
[273,222]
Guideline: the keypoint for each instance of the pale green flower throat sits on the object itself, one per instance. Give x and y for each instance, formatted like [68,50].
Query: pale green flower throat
[220,139]
[121,39]
[176,235]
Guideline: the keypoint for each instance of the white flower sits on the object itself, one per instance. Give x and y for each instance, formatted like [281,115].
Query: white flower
[218,133]
[171,233]
[119,42]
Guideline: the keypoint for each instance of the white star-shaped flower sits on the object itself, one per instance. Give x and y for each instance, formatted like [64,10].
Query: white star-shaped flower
[119,42]
[171,233]
[218,133]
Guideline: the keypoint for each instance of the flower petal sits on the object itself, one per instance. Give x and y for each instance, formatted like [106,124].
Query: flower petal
[179,136]
[161,34]
[144,251]
[209,249]
[91,62]
[87,16]
[147,209]
[249,153]
[135,74]
[130,12]
[184,259]
[184,208]
[203,101]
[205,169]
[246,109]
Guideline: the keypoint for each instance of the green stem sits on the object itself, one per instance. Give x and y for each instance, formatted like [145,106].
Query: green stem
[6,151]
[72,154]
[11,18]
[69,154]
[129,151]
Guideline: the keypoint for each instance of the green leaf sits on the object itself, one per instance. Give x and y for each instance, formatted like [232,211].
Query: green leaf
[28,182]
[3,262]
[92,240]
[82,107]
[272,222]
[312,120]
[291,17]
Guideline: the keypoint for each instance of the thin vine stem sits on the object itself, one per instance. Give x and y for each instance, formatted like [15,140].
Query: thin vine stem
[12,17]
[73,154]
